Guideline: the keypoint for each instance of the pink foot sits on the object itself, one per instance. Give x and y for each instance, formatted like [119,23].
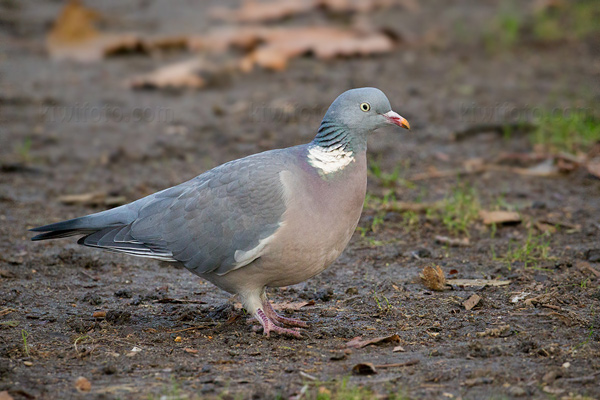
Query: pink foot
[272,314]
[269,326]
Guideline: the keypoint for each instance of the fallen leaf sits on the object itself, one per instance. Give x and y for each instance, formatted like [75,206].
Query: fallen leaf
[545,168]
[83,385]
[5,396]
[494,332]
[11,323]
[358,343]
[519,297]
[324,42]
[294,306]
[471,301]
[434,278]
[186,74]
[191,351]
[253,11]
[593,168]
[262,11]
[99,314]
[364,369]
[453,242]
[499,217]
[476,282]
[398,349]
[75,37]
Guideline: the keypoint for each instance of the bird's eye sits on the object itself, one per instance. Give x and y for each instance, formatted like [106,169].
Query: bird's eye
[365,107]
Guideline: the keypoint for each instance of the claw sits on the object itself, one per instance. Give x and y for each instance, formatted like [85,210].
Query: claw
[272,314]
[269,326]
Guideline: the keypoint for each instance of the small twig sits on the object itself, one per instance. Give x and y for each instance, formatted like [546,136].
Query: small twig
[190,328]
[586,378]
[397,365]
[178,301]
[6,311]
[307,376]
[95,279]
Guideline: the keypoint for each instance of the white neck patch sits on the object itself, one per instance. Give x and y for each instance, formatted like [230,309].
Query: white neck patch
[328,161]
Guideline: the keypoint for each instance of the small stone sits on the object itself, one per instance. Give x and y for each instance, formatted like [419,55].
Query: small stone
[550,376]
[118,317]
[351,291]
[123,294]
[516,391]
[538,205]
[592,255]
[92,298]
[109,369]
[421,253]
[566,365]
[28,363]
[324,294]
[83,385]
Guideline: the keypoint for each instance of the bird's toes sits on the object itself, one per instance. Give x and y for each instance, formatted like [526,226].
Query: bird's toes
[292,322]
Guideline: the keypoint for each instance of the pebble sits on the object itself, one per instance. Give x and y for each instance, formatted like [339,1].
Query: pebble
[592,255]
[516,391]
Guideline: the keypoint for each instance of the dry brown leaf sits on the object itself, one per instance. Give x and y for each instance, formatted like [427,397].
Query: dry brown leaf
[83,384]
[452,241]
[476,282]
[75,37]
[364,369]
[294,306]
[262,11]
[282,44]
[471,301]
[253,11]
[190,351]
[358,343]
[186,74]
[5,396]
[499,217]
[434,278]
[593,168]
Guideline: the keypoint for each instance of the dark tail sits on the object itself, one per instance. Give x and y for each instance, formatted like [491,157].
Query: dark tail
[62,229]
[86,225]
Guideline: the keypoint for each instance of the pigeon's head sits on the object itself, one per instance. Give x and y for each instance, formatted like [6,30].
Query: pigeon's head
[363,110]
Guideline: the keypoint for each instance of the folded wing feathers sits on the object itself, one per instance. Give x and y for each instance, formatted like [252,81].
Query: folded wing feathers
[118,240]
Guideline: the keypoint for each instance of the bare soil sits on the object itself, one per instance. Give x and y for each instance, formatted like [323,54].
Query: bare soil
[167,331]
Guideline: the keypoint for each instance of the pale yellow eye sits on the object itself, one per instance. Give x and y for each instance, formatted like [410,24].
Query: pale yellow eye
[365,107]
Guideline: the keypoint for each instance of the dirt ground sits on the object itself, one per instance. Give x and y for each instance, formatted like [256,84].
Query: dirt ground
[167,334]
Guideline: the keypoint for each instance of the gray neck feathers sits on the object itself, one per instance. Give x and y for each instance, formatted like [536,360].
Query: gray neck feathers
[334,136]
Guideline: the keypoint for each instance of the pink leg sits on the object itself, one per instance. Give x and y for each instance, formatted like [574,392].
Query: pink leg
[272,314]
[269,326]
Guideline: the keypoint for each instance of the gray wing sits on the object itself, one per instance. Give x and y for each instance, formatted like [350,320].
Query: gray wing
[216,222]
